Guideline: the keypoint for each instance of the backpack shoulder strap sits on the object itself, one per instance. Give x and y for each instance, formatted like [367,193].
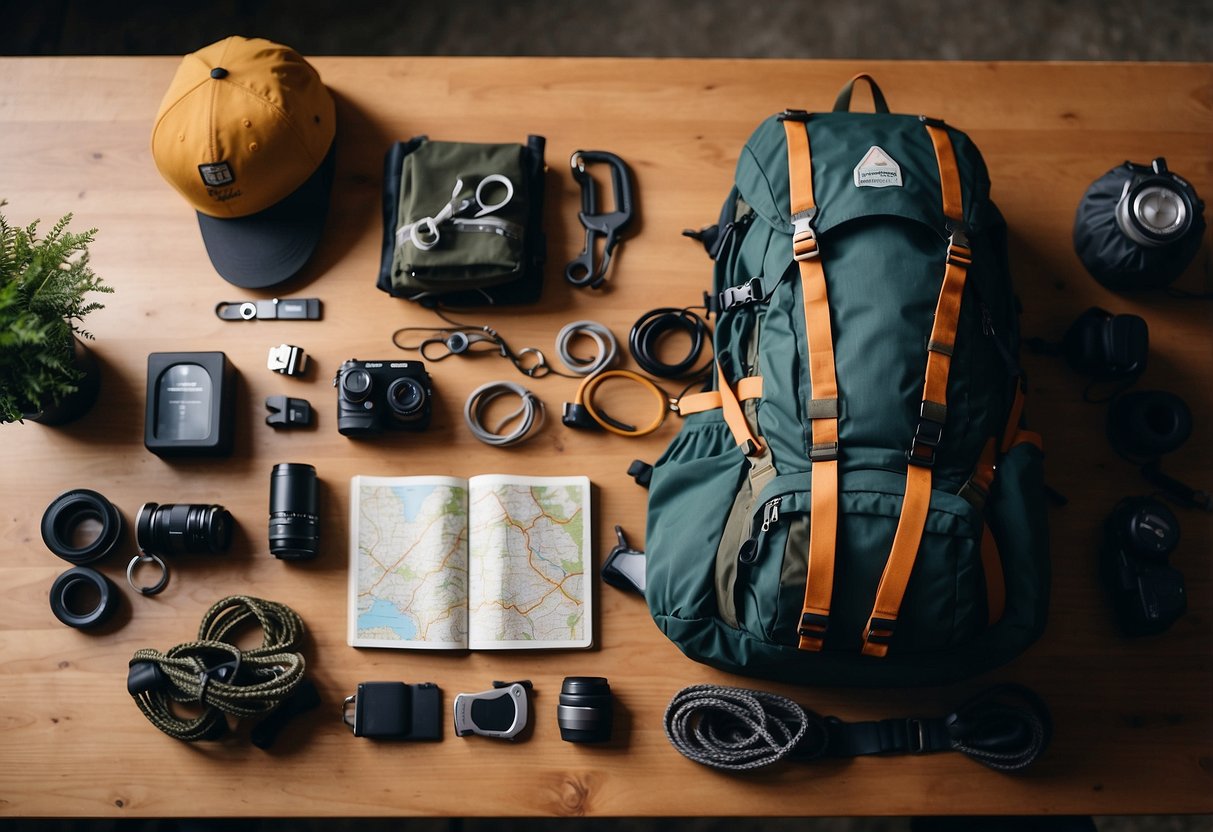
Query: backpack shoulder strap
[932,412]
[823,409]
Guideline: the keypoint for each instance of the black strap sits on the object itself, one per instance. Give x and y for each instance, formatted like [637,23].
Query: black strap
[842,103]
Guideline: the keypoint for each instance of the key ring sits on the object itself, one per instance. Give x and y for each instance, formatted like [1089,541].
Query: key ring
[151,589]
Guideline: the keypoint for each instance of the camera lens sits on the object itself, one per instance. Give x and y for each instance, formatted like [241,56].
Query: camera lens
[356,384]
[294,522]
[183,528]
[405,397]
[584,710]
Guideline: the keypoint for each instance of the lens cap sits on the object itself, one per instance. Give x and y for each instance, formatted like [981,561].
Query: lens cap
[584,713]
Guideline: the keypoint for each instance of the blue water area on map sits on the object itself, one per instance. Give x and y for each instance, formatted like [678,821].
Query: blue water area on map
[411,498]
[384,614]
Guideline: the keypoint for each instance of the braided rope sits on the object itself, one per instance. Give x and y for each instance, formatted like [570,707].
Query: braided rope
[734,729]
[266,675]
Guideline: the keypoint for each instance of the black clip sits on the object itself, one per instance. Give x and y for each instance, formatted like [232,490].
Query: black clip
[746,293]
[928,433]
[624,566]
[641,472]
[286,412]
[581,271]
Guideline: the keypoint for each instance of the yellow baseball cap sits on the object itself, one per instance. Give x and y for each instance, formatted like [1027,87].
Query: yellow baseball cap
[245,134]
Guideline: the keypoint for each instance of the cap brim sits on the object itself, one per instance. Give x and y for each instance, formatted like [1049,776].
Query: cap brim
[273,245]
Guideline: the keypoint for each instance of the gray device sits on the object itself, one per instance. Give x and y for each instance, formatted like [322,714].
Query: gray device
[501,712]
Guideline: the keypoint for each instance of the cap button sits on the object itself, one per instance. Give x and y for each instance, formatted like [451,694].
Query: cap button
[218,72]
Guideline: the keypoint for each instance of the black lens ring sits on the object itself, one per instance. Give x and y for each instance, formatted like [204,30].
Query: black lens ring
[67,582]
[66,511]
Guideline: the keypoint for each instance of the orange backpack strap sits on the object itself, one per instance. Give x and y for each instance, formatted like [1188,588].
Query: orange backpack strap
[932,412]
[823,408]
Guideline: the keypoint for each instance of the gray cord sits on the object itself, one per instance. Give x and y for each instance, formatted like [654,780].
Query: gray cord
[529,415]
[603,338]
[733,728]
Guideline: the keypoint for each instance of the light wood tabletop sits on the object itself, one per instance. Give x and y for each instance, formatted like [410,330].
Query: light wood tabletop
[1133,718]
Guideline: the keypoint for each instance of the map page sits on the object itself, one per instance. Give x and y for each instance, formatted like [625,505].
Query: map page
[494,562]
[528,561]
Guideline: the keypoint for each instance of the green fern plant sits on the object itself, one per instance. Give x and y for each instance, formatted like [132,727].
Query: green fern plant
[44,284]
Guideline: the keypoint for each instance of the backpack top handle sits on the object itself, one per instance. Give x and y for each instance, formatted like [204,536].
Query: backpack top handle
[842,103]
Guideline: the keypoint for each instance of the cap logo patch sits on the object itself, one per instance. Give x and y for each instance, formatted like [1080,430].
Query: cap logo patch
[877,169]
[217,175]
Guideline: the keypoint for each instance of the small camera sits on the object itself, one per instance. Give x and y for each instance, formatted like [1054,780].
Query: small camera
[382,395]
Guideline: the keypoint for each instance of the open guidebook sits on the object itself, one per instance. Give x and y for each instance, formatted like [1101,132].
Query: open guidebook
[493,562]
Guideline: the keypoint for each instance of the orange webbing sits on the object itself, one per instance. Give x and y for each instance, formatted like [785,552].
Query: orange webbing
[949,176]
[734,416]
[823,518]
[996,587]
[910,525]
[749,387]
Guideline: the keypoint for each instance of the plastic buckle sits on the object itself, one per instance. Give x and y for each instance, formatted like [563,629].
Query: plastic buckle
[804,238]
[880,630]
[746,293]
[916,736]
[823,452]
[928,433]
[813,625]
[794,115]
[959,251]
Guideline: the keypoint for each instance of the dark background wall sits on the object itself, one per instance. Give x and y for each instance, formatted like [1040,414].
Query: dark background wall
[1139,30]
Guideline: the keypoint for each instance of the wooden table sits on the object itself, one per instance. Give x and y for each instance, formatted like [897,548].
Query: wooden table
[1134,719]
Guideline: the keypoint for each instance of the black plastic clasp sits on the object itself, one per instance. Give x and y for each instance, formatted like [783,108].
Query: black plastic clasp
[641,472]
[880,630]
[287,412]
[624,567]
[582,270]
[928,434]
[813,625]
[577,416]
[747,293]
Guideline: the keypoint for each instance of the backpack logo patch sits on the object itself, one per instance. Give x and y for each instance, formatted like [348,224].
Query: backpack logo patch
[877,169]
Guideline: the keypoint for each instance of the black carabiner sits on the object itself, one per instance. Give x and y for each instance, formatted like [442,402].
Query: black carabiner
[581,271]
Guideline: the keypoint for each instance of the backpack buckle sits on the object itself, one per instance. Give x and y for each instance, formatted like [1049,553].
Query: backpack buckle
[804,238]
[880,630]
[746,293]
[959,251]
[813,625]
[928,433]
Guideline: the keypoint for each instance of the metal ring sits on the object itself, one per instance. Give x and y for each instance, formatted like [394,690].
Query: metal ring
[66,512]
[537,370]
[608,347]
[66,583]
[530,414]
[155,588]
[493,179]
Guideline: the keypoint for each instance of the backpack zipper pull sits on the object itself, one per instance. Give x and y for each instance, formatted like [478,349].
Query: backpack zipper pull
[770,512]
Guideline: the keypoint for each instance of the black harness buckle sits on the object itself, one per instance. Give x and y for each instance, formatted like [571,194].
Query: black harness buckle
[582,271]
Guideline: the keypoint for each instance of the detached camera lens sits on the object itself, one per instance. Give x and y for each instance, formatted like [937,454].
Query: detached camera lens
[294,522]
[183,528]
[405,396]
[584,711]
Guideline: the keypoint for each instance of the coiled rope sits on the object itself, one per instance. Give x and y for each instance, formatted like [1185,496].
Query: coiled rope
[216,675]
[529,415]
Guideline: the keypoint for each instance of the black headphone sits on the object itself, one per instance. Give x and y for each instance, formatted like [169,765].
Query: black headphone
[1107,347]
[1148,594]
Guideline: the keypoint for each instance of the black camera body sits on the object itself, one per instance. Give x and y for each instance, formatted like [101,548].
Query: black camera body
[373,396]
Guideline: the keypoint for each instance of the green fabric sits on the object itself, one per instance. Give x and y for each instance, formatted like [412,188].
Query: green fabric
[468,255]
[883,252]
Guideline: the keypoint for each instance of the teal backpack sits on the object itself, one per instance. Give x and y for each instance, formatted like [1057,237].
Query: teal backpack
[855,500]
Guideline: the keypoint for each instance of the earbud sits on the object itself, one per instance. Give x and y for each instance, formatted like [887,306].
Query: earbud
[1148,595]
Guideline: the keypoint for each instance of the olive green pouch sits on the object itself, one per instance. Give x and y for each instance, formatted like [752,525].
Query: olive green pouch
[462,222]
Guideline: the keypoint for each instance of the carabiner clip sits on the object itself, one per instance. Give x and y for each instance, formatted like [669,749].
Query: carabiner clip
[581,271]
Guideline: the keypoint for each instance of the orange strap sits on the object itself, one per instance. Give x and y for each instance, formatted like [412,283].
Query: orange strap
[823,408]
[932,413]
[749,387]
[734,416]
